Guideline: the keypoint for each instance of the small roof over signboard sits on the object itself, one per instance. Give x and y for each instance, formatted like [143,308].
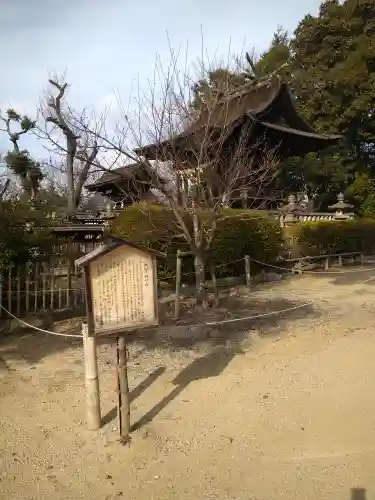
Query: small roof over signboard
[112,244]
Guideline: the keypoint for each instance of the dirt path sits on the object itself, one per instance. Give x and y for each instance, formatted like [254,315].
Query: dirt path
[283,410]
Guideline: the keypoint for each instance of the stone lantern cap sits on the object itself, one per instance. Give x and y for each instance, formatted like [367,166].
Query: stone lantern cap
[292,205]
[341,205]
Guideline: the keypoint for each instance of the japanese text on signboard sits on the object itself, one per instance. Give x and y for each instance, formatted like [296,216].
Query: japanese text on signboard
[123,289]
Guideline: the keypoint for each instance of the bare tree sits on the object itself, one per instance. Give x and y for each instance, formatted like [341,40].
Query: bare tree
[212,157]
[79,151]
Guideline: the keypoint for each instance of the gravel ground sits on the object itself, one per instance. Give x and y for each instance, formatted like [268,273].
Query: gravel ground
[280,407]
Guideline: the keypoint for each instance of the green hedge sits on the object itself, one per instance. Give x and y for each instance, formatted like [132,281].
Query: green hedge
[18,246]
[239,232]
[325,237]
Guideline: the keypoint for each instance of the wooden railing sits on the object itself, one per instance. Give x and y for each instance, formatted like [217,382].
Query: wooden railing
[32,288]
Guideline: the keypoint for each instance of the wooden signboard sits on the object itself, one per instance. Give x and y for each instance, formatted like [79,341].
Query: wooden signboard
[123,290]
[121,287]
[121,295]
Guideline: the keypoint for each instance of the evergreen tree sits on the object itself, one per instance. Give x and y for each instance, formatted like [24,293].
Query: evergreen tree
[334,75]
[19,161]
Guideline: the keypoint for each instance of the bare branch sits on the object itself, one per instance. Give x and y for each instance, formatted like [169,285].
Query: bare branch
[211,159]
[77,148]
[84,172]
[4,189]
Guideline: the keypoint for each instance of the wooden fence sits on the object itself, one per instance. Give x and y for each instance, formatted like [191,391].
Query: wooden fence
[51,284]
[41,286]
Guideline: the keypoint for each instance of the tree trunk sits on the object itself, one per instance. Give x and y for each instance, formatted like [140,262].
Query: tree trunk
[214,285]
[199,280]
[70,181]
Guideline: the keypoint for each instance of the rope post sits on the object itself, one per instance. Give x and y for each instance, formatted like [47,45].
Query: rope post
[52,289]
[91,378]
[214,284]
[339,260]
[248,272]
[10,289]
[1,294]
[18,291]
[178,285]
[27,285]
[362,259]
[326,264]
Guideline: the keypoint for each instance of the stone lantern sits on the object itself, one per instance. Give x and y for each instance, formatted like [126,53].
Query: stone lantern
[108,214]
[341,208]
[288,212]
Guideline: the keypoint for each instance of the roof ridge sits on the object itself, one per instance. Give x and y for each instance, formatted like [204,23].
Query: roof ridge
[264,81]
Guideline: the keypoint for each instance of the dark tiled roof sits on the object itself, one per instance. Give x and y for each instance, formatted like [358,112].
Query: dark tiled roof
[127,172]
[250,98]
[267,102]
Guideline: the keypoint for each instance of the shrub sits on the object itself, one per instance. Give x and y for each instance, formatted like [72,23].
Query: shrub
[325,237]
[243,232]
[368,206]
[152,226]
[17,246]
[239,232]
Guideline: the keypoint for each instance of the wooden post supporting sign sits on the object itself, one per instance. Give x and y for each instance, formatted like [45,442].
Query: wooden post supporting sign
[123,387]
[248,272]
[121,296]
[178,285]
[92,381]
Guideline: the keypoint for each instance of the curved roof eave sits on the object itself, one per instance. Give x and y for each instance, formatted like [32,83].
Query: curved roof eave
[301,133]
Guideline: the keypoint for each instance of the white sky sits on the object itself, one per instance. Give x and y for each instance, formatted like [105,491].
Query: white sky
[105,45]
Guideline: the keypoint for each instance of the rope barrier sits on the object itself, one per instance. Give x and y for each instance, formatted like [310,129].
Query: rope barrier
[265,264]
[246,318]
[229,263]
[305,290]
[209,323]
[366,281]
[215,267]
[39,329]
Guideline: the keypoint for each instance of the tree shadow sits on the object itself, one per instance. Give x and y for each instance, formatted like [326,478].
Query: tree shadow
[135,393]
[358,494]
[345,278]
[266,315]
[4,365]
[32,346]
[354,279]
[210,365]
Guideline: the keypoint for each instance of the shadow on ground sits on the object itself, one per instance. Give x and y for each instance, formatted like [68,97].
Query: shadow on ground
[135,393]
[220,351]
[357,494]
[32,346]
[3,365]
[219,326]
[340,276]
[354,278]
[210,365]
